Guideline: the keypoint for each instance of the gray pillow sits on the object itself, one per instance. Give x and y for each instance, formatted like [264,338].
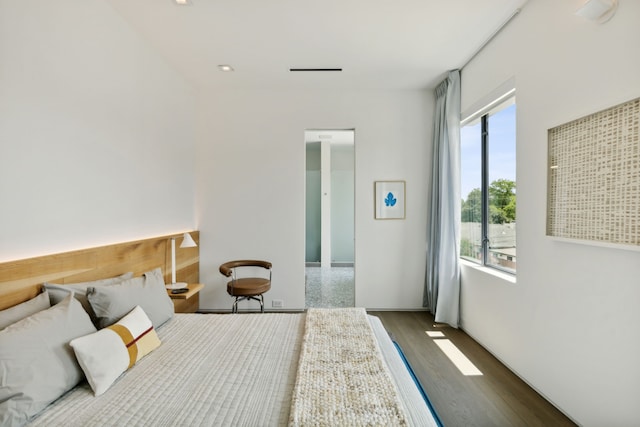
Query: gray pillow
[112,303]
[37,365]
[25,309]
[59,292]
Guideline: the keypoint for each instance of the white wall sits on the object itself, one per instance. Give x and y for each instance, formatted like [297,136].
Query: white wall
[342,204]
[250,191]
[569,326]
[96,131]
[313,204]
[342,220]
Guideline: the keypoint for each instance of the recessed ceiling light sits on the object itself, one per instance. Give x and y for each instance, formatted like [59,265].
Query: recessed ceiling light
[183,2]
[225,68]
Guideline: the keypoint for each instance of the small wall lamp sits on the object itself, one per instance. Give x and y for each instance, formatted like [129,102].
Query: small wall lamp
[187,242]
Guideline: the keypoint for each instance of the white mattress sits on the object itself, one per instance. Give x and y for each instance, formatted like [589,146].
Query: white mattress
[415,406]
[215,370]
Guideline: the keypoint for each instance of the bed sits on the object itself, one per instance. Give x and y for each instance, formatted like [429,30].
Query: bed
[321,367]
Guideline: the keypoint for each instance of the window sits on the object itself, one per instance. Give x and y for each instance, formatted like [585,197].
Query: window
[488,165]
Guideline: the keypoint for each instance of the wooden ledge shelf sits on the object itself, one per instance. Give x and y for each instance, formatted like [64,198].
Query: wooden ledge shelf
[187,302]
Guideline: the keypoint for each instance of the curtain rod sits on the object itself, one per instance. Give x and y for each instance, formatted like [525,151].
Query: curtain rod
[491,37]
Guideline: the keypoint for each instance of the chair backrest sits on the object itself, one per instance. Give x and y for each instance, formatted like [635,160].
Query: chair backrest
[227,268]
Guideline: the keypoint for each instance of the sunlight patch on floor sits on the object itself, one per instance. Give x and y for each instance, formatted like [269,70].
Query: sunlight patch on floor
[457,357]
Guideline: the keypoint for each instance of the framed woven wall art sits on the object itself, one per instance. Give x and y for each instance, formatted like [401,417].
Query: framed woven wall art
[593,192]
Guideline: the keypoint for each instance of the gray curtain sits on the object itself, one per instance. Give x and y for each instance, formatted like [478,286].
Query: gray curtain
[442,282]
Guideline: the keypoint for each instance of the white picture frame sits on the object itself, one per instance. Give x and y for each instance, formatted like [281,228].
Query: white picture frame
[390,199]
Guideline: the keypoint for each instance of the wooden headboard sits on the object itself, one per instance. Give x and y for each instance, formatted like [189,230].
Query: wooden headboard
[21,280]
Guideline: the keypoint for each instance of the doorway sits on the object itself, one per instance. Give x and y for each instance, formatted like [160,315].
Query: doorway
[330,218]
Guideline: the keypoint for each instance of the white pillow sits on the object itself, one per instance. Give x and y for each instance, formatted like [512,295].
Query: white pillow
[37,365]
[25,309]
[106,354]
[110,303]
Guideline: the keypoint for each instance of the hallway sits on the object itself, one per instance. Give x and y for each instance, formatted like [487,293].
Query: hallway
[330,287]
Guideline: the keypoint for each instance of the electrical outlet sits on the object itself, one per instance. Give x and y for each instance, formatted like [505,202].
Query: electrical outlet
[277,303]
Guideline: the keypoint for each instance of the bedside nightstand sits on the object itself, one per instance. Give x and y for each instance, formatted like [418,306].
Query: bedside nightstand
[187,302]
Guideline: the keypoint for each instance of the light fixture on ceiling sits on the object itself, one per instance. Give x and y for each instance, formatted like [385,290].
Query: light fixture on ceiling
[314,69]
[183,2]
[225,68]
[599,11]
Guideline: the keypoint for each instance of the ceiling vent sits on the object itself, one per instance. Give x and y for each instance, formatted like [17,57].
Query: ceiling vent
[314,69]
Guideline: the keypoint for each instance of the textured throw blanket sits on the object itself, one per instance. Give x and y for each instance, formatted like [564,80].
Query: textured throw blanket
[342,378]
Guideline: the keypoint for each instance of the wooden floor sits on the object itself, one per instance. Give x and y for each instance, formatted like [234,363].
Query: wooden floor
[497,398]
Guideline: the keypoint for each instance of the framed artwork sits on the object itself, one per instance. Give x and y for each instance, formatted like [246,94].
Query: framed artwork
[594,178]
[389,199]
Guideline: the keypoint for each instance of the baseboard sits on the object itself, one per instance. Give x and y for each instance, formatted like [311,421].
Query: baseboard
[544,396]
[333,264]
[298,310]
[225,311]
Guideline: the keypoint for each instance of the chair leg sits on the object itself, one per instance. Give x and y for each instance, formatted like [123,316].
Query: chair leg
[234,308]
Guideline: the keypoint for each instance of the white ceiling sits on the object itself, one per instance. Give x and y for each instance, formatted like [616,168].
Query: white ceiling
[381,44]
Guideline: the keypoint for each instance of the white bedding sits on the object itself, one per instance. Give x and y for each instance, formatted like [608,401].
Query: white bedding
[215,370]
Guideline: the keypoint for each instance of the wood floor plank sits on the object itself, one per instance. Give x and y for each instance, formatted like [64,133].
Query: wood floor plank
[497,398]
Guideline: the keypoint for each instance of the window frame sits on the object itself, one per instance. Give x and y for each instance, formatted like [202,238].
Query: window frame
[483,115]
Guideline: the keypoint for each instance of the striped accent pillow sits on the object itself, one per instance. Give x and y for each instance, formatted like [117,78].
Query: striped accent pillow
[106,354]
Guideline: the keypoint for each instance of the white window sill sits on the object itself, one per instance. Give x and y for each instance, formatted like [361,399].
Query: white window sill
[510,278]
